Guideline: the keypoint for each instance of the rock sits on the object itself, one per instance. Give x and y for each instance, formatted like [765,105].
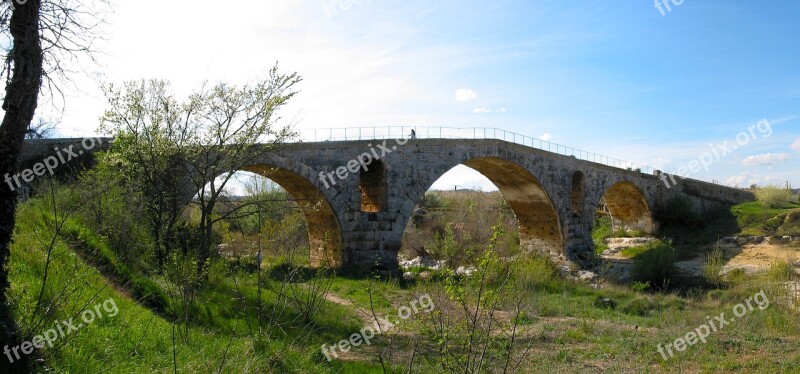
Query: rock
[617,244]
[466,270]
[425,275]
[564,270]
[224,250]
[408,275]
[586,276]
[691,268]
[421,261]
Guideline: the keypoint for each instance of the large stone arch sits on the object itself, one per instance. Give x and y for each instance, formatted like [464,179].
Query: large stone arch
[628,207]
[540,226]
[324,233]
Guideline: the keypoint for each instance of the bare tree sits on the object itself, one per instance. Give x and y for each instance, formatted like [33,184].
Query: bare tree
[41,129]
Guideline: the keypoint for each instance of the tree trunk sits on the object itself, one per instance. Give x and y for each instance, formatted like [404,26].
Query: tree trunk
[22,93]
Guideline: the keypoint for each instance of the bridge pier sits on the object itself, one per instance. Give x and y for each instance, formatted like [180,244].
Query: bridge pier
[372,242]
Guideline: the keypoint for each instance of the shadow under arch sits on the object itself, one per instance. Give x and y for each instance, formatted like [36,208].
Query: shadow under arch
[539,224]
[323,227]
[627,206]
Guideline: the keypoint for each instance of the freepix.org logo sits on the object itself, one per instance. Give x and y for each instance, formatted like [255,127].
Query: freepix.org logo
[360,162]
[664,4]
[718,152]
[60,330]
[713,325]
[381,324]
[51,163]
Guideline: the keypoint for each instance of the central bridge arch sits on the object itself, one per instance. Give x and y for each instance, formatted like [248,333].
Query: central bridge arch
[539,224]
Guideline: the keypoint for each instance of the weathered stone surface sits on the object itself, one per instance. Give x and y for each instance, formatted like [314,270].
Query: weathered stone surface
[357,222]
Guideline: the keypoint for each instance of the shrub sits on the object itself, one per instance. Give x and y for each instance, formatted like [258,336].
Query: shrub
[780,271]
[639,307]
[736,276]
[656,264]
[605,303]
[602,230]
[431,201]
[713,267]
[243,264]
[640,286]
[773,196]
[535,271]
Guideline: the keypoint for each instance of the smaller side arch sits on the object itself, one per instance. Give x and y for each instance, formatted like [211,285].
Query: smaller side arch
[628,208]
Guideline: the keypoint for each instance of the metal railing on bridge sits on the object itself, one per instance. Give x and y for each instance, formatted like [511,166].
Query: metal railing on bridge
[403,132]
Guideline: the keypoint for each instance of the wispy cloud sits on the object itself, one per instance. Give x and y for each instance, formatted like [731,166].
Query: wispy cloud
[482,110]
[796,145]
[463,94]
[546,137]
[766,159]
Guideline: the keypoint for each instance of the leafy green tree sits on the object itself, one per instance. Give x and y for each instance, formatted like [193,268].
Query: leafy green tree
[172,150]
[151,130]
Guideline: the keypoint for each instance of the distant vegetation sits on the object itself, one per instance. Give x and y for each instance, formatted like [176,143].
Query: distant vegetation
[774,196]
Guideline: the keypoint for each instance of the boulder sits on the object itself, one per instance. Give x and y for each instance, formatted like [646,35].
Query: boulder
[466,270]
[421,261]
[587,276]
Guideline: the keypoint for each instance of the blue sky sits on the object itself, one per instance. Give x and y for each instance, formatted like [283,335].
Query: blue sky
[611,77]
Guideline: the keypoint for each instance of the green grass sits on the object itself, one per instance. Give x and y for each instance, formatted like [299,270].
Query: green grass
[567,329]
[754,218]
[138,339]
[603,230]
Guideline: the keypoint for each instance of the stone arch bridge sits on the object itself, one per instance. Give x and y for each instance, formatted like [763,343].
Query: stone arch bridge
[359,195]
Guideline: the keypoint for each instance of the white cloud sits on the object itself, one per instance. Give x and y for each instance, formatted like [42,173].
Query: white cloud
[483,110]
[463,94]
[740,180]
[660,163]
[796,145]
[546,137]
[768,159]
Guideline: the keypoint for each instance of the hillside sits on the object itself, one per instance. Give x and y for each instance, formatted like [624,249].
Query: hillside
[552,323]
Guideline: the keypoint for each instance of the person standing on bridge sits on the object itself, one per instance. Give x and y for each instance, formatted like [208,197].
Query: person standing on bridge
[413,134]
